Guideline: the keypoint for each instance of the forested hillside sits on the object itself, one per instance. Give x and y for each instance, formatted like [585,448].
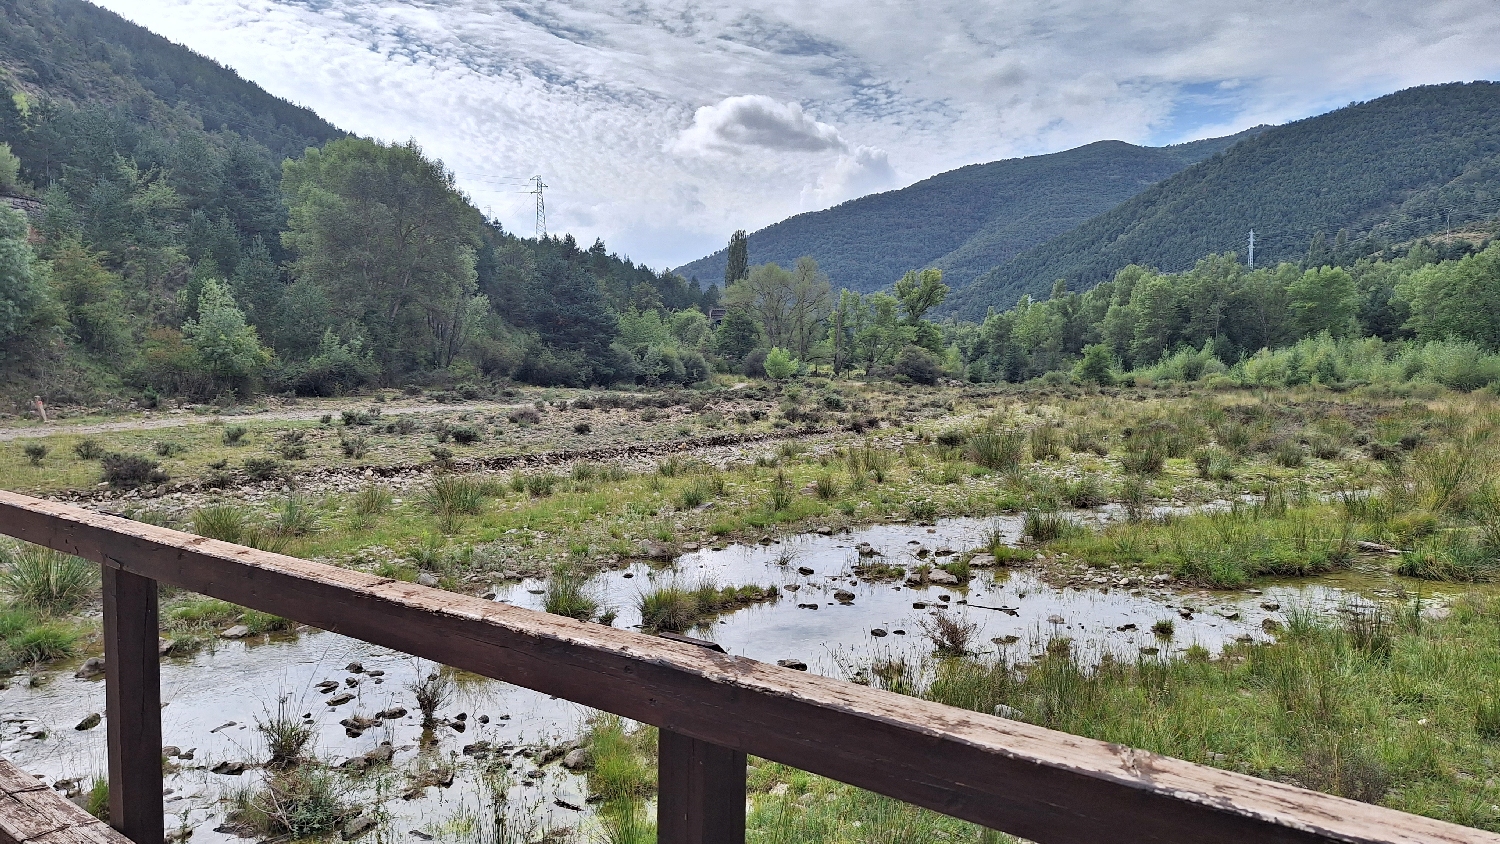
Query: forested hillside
[965,221]
[1389,170]
[188,234]
[71,51]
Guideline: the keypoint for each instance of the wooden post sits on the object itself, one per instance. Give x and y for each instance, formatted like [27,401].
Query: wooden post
[700,792]
[132,701]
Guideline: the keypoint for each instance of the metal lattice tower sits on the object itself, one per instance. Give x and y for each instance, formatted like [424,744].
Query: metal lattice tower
[541,207]
[1252,249]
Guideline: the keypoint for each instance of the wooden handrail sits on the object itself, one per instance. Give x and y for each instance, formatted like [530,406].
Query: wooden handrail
[1041,784]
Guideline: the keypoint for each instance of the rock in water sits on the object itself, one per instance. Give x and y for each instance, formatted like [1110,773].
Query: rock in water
[794,664]
[577,760]
[941,577]
[359,826]
[239,631]
[228,768]
[89,722]
[91,668]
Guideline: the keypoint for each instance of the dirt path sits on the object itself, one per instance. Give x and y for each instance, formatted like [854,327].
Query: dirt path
[179,419]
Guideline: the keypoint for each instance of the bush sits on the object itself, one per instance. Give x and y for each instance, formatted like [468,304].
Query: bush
[167,448]
[780,365]
[582,428]
[354,447]
[235,434]
[43,579]
[87,449]
[34,452]
[262,468]
[754,364]
[919,365]
[128,471]
[524,416]
[464,435]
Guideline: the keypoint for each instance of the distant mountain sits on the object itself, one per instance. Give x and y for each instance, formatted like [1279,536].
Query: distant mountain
[75,52]
[964,221]
[1405,165]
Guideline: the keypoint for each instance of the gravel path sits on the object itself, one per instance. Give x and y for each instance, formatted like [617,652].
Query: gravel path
[179,419]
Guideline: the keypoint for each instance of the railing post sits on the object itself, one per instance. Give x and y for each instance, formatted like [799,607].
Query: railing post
[132,701]
[700,792]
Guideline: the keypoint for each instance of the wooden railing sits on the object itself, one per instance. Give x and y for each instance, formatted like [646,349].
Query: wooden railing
[712,709]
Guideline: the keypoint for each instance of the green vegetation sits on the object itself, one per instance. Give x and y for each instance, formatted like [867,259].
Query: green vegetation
[674,609]
[44,580]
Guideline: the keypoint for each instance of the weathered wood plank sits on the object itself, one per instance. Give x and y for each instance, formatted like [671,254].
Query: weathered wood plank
[13,779]
[1037,783]
[32,813]
[132,699]
[700,792]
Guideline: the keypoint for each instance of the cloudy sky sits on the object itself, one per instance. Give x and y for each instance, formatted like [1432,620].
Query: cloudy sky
[663,125]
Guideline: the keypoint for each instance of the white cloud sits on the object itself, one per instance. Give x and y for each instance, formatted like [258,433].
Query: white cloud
[755,120]
[808,104]
[860,171]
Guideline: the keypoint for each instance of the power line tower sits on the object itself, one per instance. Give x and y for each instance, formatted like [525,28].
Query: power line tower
[1252,249]
[541,207]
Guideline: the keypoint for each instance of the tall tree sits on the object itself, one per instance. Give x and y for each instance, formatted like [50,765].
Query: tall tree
[920,292]
[739,258]
[1323,299]
[387,236]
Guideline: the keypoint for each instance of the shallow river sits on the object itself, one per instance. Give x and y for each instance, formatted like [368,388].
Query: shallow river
[213,698]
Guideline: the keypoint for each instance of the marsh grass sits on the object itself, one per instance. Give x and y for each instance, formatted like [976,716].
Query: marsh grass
[1226,548]
[1042,526]
[950,635]
[42,579]
[568,594]
[999,451]
[297,802]
[432,690]
[780,496]
[286,736]
[371,502]
[1350,708]
[449,498]
[231,523]
[200,614]
[674,609]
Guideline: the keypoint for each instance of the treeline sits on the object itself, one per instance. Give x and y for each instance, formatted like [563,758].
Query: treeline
[1223,318]
[171,261]
[1423,312]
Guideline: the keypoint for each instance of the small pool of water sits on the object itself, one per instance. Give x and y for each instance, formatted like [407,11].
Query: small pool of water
[213,698]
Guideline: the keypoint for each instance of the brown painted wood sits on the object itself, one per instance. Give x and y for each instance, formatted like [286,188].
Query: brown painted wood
[1037,783]
[700,792]
[132,700]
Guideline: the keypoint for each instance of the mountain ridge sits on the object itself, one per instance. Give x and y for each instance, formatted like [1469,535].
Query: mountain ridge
[1393,168]
[1004,207]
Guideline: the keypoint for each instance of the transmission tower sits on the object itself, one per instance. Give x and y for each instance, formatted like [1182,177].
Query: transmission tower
[1252,249]
[541,207]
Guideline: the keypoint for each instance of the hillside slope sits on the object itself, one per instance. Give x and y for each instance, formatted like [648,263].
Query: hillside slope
[77,53]
[964,221]
[1394,168]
